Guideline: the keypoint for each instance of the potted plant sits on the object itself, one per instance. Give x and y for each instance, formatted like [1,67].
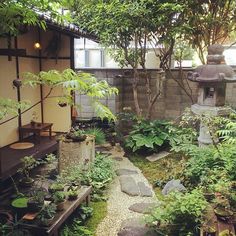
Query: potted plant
[208,230]
[76,135]
[59,200]
[222,208]
[28,164]
[36,202]
[72,193]
[34,118]
[20,205]
[47,214]
[56,187]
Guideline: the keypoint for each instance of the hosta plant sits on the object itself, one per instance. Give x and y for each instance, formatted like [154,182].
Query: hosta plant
[148,135]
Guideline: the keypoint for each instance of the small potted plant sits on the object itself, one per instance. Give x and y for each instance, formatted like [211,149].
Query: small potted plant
[56,187]
[36,202]
[19,205]
[72,193]
[28,164]
[222,208]
[34,118]
[47,214]
[59,200]
[76,135]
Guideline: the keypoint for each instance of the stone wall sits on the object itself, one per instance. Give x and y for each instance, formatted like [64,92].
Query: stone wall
[171,103]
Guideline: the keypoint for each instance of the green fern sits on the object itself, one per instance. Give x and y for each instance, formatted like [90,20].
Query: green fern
[99,135]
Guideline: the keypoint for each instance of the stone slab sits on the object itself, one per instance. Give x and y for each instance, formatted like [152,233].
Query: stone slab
[157,156]
[142,207]
[145,191]
[120,172]
[129,186]
[134,227]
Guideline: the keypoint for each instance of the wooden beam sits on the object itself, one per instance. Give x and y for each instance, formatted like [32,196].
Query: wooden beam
[12,52]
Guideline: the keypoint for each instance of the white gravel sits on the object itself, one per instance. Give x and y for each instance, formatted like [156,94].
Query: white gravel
[119,202]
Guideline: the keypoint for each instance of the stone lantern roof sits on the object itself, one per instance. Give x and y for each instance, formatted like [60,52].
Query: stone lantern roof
[215,70]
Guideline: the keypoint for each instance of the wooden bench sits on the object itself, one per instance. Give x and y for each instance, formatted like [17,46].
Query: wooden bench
[60,217]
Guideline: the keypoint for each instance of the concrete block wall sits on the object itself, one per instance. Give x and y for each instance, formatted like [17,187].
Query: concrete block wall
[172,101]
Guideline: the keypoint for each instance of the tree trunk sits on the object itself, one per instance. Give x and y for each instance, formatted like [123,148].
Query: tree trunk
[135,93]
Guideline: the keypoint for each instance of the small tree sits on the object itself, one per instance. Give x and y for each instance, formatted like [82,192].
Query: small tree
[129,28]
[70,81]
[208,22]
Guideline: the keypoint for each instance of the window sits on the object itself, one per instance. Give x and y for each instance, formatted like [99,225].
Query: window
[89,54]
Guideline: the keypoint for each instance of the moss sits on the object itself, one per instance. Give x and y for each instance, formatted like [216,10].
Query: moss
[20,202]
[99,213]
[164,169]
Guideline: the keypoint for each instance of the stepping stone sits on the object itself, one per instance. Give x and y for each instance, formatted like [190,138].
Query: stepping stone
[144,190]
[142,207]
[157,156]
[118,158]
[120,172]
[129,186]
[134,227]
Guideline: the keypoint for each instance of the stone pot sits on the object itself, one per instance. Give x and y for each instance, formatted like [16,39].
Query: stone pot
[25,182]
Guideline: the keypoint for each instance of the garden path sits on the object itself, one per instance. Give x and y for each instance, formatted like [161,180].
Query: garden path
[120,202]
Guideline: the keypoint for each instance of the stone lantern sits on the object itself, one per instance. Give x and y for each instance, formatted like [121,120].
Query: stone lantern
[212,79]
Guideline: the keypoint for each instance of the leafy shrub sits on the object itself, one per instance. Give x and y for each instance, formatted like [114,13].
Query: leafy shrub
[98,133]
[181,138]
[179,214]
[98,174]
[76,228]
[148,135]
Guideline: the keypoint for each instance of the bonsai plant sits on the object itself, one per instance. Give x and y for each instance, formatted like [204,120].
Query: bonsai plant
[47,214]
[28,164]
[59,200]
[36,202]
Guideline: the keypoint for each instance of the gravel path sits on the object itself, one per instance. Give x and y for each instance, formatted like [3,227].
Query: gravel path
[119,202]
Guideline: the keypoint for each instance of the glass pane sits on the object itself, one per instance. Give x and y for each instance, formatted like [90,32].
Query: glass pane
[79,58]
[95,58]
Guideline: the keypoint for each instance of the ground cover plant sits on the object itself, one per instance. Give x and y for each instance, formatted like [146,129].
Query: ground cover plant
[207,172]
[179,214]
[98,174]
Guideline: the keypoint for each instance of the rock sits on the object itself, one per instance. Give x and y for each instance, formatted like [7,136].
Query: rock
[173,185]
[145,191]
[129,186]
[134,227]
[142,207]
[120,172]
[157,156]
